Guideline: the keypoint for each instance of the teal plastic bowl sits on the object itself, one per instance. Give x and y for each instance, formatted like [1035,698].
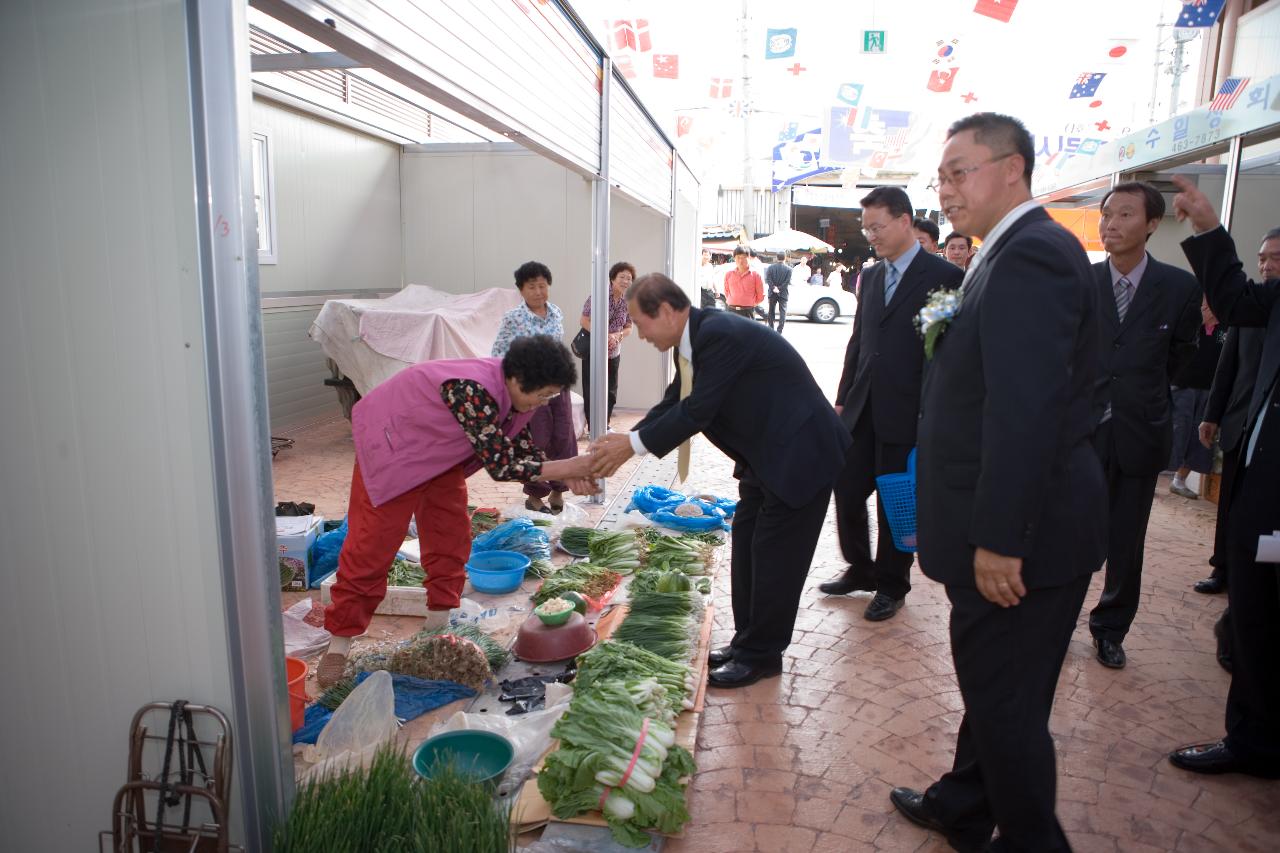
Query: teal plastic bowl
[475,754]
[497,572]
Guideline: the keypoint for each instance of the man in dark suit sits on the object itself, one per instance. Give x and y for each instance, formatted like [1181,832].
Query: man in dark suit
[750,393]
[1252,742]
[1011,496]
[879,394]
[777,284]
[1150,318]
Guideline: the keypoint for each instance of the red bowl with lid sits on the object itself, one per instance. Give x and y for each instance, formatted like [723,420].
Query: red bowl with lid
[540,643]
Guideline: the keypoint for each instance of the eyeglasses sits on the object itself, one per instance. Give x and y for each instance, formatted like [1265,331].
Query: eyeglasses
[957,177]
[873,230]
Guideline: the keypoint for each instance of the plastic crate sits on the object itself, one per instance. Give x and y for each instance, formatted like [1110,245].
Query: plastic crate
[898,499]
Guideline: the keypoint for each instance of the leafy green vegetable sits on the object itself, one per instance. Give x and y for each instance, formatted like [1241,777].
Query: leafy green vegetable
[405,573]
[614,660]
[593,581]
[494,651]
[619,550]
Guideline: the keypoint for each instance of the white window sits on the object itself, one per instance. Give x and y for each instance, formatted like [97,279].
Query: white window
[264,197]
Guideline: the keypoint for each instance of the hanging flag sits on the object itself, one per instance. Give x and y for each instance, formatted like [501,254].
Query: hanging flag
[1001,10]
[684,124]
[941,79]
[945,51]
[624,35]
[624,66]
[780,43]
[643,43]
[799,158]
[721,87]
[1086,84]
[788,131]
[1119,49]
[1200,13]
[849,93]
[666,66]
[1228,93]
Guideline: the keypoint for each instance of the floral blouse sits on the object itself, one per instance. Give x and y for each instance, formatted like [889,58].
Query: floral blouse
[504,457]
[520,322]
[619,319]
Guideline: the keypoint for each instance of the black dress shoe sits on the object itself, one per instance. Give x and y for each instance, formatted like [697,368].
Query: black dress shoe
[1217,758]
[882,607]
[1210,586]
[910,803]
[847,583]
[1110,654]
[720,656]
[735,673]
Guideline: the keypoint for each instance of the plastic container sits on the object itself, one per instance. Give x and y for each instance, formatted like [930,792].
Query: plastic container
[295,670]
[539,643]
[480,755]
[497,572]
[898,498]
[554,619]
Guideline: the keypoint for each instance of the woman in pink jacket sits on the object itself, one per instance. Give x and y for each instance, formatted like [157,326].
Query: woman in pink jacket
[418,436]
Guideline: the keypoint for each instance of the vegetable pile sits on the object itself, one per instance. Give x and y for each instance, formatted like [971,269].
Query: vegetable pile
[613,661]
[619,550]
[405,573]
[576,540]
[592,581]
[494,651]
[680,553]
[442,656]
[664,623]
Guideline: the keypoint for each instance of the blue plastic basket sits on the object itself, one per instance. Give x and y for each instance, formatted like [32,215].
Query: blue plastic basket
[898,498]
[496,572]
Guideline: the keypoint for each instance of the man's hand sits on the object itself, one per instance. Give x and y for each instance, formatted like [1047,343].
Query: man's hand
[999,578]
[609,452]
[1208,432]
[1192,204]
[582,486]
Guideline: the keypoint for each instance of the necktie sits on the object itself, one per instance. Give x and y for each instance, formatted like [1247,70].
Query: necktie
[890,282]
[1124,296]
[686,388]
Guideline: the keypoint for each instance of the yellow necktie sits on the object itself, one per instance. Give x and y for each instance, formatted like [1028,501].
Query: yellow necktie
[686,388]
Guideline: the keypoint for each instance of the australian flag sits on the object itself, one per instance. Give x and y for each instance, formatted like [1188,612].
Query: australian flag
[1200,13]
[1086,85]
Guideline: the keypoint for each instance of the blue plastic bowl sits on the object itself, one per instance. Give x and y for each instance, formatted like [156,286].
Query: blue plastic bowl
[497,572]
[475,754]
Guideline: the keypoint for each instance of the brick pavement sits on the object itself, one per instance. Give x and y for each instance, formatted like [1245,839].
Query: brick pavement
[804,762]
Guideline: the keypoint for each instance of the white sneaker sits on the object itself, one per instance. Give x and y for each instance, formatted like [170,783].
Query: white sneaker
[436,619]
[1180,489]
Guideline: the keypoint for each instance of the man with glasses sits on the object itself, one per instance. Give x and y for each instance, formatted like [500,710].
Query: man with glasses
[1011,497]
[879,394]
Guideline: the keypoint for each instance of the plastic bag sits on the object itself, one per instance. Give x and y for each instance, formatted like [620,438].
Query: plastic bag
[491,619]
[728,507]
[324,551]
[364,721]
[712,518]
[518,534]
[302,639]
[651,498]
[529,733]
[571,516]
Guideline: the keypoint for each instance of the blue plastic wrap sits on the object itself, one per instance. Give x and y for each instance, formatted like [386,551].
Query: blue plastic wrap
[520,535]
[651,498]
[324,551]
[713,518]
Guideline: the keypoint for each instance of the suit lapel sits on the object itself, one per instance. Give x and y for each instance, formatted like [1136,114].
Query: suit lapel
[911,279]
[973,286]
[1107,297]
[1147,297]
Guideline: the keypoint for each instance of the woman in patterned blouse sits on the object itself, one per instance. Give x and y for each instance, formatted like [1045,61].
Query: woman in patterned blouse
[620,276]
[552,425]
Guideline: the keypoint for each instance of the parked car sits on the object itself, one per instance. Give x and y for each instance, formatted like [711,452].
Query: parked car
[817,302]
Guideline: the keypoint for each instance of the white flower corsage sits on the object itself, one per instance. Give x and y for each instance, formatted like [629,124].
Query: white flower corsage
[933,318]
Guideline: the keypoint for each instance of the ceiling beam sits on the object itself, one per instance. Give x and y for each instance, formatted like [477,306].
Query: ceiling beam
[302,61]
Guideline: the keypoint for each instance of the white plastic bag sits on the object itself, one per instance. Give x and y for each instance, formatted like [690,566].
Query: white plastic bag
[571,516]
[300,638]
[492,619]
[353,734]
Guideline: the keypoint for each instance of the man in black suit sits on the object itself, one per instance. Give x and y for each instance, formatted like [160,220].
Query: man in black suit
[750,393]
[1011,496]
[777,284]
[1150,318]
[879,394]
[1252,742]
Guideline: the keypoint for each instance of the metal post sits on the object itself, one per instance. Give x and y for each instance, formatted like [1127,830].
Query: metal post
[217,41]
[748,182]
[1235,152]
[600,274]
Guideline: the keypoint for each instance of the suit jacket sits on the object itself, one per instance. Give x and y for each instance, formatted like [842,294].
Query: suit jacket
[885,356]
[755,399]
[777,277]
[1139,357]
[1006,421]
[1233,383]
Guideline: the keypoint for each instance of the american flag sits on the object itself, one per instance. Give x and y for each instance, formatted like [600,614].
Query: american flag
[1228,93]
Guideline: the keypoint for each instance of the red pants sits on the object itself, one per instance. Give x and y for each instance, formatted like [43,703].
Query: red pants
[375,534]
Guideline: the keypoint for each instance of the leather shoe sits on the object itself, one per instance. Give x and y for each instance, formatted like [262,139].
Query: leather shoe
[882,607]
[1110,653]
[1217,758]
[846,583]
[1210,586]
[720,656]
[911,803]
[735,673]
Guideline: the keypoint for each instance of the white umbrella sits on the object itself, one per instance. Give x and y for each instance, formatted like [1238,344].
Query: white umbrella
[790,240]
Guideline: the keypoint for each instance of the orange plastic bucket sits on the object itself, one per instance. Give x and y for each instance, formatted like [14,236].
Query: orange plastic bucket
[296,674]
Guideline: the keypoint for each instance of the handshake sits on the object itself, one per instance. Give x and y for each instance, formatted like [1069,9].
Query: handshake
[605,456]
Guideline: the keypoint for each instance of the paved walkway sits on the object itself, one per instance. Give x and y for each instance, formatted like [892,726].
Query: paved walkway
[804,762]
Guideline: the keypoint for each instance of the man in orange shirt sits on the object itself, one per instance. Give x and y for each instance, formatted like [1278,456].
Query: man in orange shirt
[743,288]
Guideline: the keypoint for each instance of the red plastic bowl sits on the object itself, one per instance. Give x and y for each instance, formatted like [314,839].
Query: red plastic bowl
[539,643]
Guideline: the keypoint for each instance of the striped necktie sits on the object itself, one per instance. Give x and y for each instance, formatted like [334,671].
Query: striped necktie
[686,388]
[890,281]
[1124,296]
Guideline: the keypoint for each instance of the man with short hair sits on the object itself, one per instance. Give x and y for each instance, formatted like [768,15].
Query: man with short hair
[801,272]
[752,395]
[879,395]
[1011,500]
[743,287]
[957,249]
[1150,316]
[926,233]
[777,278]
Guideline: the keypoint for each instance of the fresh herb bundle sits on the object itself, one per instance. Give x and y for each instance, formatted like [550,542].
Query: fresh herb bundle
[576,540]
[540,568]
[615,660]
[679,553]
[590,580]
[494,651]
[405,573]
[619,550]
[442,656]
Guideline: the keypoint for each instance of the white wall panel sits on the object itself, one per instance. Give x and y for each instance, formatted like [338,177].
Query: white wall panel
[639,158]
[113,594]
[639,235]
[296,370]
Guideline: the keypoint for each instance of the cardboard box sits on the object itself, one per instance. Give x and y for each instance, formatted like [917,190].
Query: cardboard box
[1210,486]
[294,535]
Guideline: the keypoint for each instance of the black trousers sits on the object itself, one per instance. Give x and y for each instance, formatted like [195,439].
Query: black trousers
[1221,565]
[1129,501]
[867,458]
[1007,664]
[613,387]
[773,546]
[779,302]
